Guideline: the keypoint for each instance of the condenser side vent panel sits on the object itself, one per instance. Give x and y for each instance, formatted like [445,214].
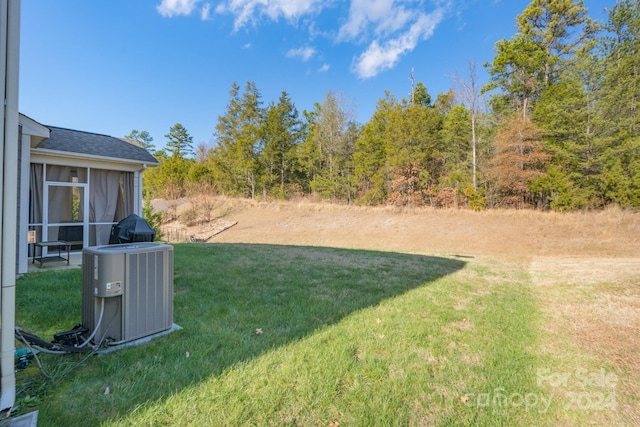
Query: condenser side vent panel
[148,306]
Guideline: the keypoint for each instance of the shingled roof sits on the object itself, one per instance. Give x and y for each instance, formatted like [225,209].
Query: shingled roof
[79,142]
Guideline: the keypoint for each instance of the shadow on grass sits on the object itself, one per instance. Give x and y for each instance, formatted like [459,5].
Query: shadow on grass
[234,302]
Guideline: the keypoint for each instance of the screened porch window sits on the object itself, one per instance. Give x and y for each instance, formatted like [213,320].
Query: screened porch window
[78,204]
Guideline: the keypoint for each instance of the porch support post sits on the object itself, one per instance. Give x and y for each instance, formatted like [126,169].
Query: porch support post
[137,191]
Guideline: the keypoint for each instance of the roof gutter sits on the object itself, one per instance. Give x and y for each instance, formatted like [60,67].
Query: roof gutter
[72,155]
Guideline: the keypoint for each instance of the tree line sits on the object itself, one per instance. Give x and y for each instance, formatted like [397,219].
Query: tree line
[557,126]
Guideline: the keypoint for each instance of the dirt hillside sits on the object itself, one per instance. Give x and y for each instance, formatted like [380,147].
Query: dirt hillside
[612,233]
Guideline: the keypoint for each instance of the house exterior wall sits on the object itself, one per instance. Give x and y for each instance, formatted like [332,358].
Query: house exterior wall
[9,73]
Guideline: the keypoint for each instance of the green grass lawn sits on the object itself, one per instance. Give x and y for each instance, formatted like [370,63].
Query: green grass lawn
[349,337]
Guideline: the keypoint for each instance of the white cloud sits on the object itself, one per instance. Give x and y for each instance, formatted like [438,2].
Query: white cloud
[378,16]
[384,55]
[170,8]
[324,68]
[205,12]
[304,53]
[249,11]
[392,28]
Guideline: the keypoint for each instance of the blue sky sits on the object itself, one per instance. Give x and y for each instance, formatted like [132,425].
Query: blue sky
[113,66]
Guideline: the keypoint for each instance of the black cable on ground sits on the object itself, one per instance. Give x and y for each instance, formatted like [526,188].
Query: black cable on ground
[36,341]
[35,344]
[19,336]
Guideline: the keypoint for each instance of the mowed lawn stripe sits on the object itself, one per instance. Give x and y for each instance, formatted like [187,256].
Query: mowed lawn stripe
[286,335]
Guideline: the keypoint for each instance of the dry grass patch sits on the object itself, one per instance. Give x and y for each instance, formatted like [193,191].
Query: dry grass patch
[503,234]
[582,266]
[592,313]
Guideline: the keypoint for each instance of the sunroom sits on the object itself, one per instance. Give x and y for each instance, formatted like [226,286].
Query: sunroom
[73,187]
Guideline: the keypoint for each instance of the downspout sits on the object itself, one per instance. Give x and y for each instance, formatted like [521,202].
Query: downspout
[9,60]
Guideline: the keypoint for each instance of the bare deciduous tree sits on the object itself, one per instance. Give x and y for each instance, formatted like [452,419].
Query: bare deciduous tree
[469,93]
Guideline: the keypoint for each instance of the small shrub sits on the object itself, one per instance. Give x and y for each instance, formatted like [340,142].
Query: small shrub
[190,217]
[477,201]
[153,218]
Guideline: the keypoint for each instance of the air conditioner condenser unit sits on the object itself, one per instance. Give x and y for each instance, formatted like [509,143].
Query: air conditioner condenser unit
[127,291]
